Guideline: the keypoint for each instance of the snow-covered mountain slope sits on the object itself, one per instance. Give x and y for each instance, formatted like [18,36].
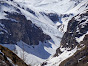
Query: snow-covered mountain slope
[55,61]
[73,44]
[39,15]
[77,28]
[79,8]
[13,16]
[49,6]
[33,55]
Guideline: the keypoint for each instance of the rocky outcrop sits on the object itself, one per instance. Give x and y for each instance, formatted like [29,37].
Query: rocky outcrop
[54,17]
[17,28]
[8,58]
[77,27]
[80,58]
[4,61]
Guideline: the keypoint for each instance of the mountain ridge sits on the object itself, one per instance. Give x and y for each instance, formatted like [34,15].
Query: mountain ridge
[39,27]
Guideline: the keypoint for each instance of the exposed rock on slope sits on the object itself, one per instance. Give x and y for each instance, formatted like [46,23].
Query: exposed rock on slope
[4,61]
[73,50]
[17,28]
[76,35]
[21,20]
[77,27]
[76,30]
[80,58]
[8,58]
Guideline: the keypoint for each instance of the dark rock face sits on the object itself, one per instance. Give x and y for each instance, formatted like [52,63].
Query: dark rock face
[4,61]
[17,28]
[80,58]
[77,27]
[8,58]
[54,17]
[57,18]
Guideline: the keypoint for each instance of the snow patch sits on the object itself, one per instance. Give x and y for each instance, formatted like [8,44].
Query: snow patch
[55,61]
[80,38]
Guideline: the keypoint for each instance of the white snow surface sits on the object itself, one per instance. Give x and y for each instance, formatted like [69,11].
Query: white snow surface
[81,38]
[59,6]
[55,61]
[33,55]
[43,51]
